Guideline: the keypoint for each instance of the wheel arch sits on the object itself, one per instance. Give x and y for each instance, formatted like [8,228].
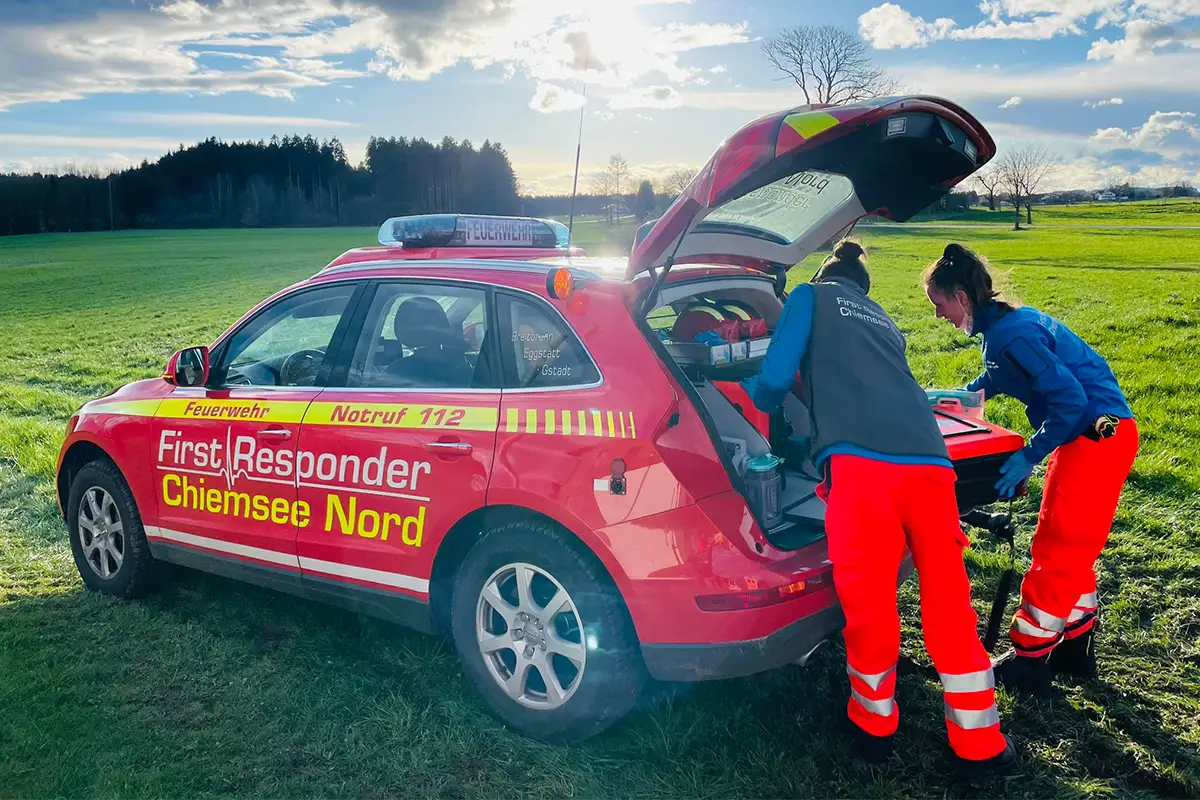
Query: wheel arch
[81,453]
[468,530]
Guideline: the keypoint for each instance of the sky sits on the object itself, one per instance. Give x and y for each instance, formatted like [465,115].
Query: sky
[1109,85]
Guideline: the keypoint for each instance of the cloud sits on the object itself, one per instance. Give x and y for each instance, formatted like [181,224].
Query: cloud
[277,47]
[647,97]
[1144,38]
[1011,102]
[1115,101]
[720,69]
[1165,132]
[889,26]
[1172,73]
[550,98]
[1148,24]
[190,118]
[141,144]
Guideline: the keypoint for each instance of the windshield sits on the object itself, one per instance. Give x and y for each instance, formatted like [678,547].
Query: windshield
[785,210]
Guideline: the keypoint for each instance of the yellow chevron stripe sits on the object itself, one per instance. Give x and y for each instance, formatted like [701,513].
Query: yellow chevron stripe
[566,423]
[549,420]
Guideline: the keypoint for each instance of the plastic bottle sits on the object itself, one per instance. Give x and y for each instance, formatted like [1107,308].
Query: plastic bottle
[763,488]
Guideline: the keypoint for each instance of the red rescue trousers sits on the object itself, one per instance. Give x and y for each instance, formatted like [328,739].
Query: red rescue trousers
[873,508]
[1079,498]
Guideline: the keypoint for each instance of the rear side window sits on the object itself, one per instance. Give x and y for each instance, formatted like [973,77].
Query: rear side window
[423,336]
[540,350]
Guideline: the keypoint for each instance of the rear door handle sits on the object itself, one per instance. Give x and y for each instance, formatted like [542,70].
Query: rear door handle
[275,434]
[449,448]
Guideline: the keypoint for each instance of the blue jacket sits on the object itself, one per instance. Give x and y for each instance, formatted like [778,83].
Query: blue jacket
[1063,382]
[777,375]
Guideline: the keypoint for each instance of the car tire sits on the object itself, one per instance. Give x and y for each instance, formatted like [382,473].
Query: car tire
[607,683]
[107,538]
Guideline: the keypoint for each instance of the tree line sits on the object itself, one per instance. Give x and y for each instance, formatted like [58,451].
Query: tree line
[292,181]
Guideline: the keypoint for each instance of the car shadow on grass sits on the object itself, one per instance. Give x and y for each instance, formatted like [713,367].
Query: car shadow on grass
[212,686]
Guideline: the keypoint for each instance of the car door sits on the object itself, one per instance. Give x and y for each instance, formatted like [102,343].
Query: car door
[406,433]
[226,453]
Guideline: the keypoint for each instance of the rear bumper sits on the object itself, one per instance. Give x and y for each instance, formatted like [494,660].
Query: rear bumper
[706,662]
[721,660]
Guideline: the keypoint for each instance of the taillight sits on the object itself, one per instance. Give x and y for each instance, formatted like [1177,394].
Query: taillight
[757,598]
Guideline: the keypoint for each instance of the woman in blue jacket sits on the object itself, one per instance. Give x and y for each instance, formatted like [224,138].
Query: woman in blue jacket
[1083,423]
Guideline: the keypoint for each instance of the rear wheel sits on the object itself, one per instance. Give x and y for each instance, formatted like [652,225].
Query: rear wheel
[544,634]
[107,538]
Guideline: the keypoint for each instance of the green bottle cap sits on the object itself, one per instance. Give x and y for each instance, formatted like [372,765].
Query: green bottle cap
[763,463]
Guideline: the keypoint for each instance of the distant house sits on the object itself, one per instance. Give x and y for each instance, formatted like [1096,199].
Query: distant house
[1106,197]
[1051,199]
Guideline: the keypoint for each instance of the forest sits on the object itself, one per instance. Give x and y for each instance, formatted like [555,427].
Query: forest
[293,181]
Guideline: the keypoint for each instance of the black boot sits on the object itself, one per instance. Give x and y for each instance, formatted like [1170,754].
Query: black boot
[1076,657]
[1027,674]
[981,772]
[871,749]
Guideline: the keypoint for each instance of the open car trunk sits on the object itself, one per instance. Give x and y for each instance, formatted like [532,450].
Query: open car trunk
[771,195]
[711,373]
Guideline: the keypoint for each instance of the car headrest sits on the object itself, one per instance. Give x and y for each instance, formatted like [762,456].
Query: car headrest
[421,322]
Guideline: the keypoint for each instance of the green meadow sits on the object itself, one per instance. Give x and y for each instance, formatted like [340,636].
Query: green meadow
[213,688]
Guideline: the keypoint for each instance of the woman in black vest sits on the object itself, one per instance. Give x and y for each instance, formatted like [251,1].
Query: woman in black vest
[888,483]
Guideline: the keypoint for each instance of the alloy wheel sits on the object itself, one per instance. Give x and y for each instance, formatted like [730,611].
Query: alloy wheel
[101,533]
[531,636]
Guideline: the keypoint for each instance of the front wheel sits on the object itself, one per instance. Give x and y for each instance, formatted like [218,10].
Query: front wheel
[107,538]
[544,634]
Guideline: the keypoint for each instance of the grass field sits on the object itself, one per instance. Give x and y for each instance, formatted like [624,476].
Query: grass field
[1177,211]
[213,688]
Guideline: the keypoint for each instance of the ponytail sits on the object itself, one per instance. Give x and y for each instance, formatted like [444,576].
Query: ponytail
[961,268]
[846,262]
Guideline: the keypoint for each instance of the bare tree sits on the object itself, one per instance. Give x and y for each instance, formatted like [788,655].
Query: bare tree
[610,183]
[1023,171]
[990,180]
[675,181]
[829,64]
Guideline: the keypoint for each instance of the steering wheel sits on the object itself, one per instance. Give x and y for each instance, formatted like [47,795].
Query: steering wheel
[300,368]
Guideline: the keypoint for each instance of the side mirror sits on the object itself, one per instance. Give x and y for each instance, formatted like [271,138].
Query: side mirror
[188,367]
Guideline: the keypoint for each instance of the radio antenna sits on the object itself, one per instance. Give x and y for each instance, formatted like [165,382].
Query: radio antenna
[578,146]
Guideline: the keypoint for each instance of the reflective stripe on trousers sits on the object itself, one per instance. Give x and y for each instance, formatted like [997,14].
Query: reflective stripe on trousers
[979,681]
[973,720]
[874,681]
[964,683]
[880,708]
[1086,606]
[1043,619]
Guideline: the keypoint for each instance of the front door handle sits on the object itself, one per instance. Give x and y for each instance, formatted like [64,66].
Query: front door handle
[275,434]
[449,448]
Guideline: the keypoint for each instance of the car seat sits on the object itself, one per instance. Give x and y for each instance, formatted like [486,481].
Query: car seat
[438,357]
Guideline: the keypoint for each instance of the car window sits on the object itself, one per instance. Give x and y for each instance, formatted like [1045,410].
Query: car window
[785,209]
[542,351]
[427,336]
[286,343]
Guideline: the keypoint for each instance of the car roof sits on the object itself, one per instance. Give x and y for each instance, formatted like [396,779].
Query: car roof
[511,271]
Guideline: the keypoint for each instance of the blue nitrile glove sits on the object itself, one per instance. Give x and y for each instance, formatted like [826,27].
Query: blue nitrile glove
[1015,470]
[750,385]
[709,337]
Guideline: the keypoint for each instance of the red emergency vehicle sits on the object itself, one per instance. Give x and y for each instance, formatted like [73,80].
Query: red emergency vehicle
[541,460]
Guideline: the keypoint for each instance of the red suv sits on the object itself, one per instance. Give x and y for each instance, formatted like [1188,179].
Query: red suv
[548,462]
